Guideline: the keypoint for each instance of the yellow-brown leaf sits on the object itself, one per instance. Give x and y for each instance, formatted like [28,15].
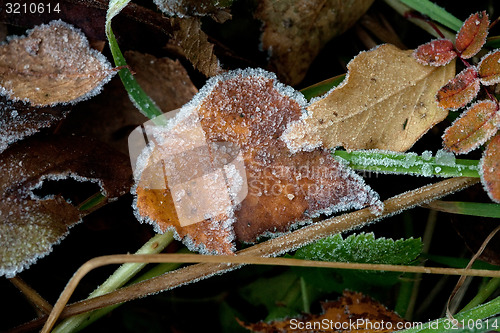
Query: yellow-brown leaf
[387,102]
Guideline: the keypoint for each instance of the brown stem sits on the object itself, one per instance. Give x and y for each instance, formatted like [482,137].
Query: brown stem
[32,295]
[272,247]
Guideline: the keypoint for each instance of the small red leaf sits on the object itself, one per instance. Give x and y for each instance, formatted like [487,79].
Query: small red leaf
[489,68]
[473,128]
[472,35]
[490,169]
[460,90]
[438,52]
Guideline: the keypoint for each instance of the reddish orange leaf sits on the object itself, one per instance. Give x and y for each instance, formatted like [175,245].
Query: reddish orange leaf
[460,91]
[438,52]
[250,110]
[473,128]
[489,68]
[353,312]
[490,169]
[472,35]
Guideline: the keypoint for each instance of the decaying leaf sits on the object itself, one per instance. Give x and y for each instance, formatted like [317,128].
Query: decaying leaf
[248,110]
[489,68]
[438,52]
[30,225]
[188,8]
[295,31]
[387,102]
[110,117]
[353,312]
[476,126]
[472,36]
[19,120]
[53,64]
[490,169]
[198,50]
[460,91]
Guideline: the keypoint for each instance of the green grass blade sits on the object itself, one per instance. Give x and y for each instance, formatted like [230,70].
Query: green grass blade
[435,12]
[322,87]
[467,208]
[444,325]
[140,99]
[407,163]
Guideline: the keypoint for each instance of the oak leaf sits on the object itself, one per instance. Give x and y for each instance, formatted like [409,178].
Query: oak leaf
[338,316]
[460,91]
[31,225]
[475,126]
[248,110]
[53,64]
[438,52]
[472,35]
[295,31]
[489,68]
[490,169]
[387,102]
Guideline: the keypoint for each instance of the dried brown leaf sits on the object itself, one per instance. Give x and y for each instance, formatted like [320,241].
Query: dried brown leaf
[249,109]
[353,312]
[489,68]
[490,169]
[188,8]
[386,102]
[295,31]
[476,126]
[30,225]
[472,36]
[110,117]
[438,52]
[19,120]
[53,64]
[460,91]
[198,50]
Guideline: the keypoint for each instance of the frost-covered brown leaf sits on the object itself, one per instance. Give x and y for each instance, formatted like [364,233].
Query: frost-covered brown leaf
[295,31]
[338,316]
[476,125]
[53,64]
[30,225]
[19,120]
[251,109]
[189,8]
[386,102]
[490,168]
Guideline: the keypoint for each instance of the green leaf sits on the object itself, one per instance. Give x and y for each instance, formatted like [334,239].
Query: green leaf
[140,99]
[467,208]
[322,87]
[281,295]
[435,12]
[362,248]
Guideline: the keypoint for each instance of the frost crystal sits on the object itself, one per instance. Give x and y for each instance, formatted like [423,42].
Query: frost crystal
[445,158]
